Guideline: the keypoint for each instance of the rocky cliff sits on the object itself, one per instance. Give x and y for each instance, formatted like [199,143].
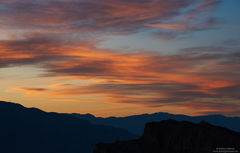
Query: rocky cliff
[171,136]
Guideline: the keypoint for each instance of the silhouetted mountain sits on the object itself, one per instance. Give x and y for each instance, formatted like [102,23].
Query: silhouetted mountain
[30,130]
[135,124]
[171,136]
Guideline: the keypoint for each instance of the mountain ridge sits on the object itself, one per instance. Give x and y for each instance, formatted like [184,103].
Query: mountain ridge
[28,130]
[135,123]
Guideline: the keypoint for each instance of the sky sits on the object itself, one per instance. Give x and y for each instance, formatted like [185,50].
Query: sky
[121,57]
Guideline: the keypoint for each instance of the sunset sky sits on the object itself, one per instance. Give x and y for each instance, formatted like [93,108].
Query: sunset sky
[121,57]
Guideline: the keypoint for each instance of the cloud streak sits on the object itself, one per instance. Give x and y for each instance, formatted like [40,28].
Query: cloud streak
[32,89]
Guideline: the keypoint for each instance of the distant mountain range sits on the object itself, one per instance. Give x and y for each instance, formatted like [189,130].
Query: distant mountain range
[135,124]
[171,136]
[30,130]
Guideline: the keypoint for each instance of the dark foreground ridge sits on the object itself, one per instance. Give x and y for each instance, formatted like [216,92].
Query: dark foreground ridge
[171,136]
[30,130]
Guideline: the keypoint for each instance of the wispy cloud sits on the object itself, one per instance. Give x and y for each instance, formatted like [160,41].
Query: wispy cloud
[84,15]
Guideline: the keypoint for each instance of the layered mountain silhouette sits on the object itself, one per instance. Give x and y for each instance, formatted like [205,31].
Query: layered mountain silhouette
[135,124]
[30,130]
[171,136]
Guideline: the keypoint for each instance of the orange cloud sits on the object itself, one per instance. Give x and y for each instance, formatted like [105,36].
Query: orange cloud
[141,78]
